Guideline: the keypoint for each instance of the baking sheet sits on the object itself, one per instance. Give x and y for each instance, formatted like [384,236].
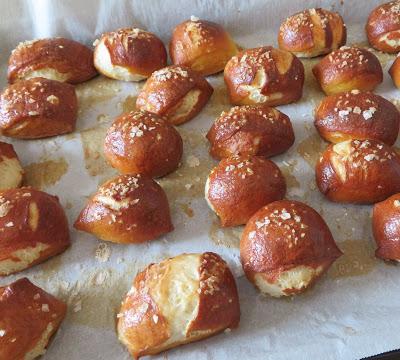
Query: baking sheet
[354,311]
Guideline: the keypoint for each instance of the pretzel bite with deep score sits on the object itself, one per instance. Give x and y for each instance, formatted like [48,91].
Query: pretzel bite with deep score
[383,27]
[176,92]
[33,228]
[29,317]
[202,45]
[56,59]
[177,301]
[358,171]
[394,72]
[127,209]
[11,172]
[129,54]
[357,115]
[312,32]
[140,142]
[38,108]
[285,247]
[348,68]
[238,186]
[386,228]
[264,75]
[250,130]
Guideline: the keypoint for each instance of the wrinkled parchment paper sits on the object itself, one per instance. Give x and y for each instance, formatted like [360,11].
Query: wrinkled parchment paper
[354,311]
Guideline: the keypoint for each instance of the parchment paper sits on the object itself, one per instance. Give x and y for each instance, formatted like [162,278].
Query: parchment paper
[354,311]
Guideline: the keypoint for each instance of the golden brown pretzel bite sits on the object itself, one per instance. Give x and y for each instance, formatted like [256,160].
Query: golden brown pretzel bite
[264,75]
[127,209]
[348,68]
[357,115]
[56,59]
[177,301]
[358,171]
[33,228]
[238,186]
[202,45]
[383,27]
[285,247]
[37,108]
[250,130]
[129,54]
[29,317]
[176,92]
[312,32]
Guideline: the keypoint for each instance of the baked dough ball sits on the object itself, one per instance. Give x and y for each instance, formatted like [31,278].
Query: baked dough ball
[250,130]
[201,45]
[38,108]
[176,92]
[11,172]
[29,317]
[347,69]
[386,228]
[264,75]
[394,72]
[56,59]
[238,186]
[357,115]
[312,32]
[383,27]
[358,171]
[179,300]
[127,209]
[129,54]
[33,228]
[140,142]
[285,247]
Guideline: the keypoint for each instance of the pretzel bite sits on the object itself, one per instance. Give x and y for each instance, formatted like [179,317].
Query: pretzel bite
[202,45]
[357,115]
[250,130]
[358,171]
[127,209]
[140,142]
[312,32]
[386,228]
[29,317]
[240,185]
[394,72]
[38,108]
[33,228]
[56,59]
[347,69]
[383,27]
[176,92]
[177,301]
[129,54]
[285,247]
[264,75]
[11,171]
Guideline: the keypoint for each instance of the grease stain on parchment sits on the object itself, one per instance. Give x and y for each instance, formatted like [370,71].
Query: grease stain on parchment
[189,179]
[287,170]
[312,90]
[93,92]
[310,149]
[92,144]
[187,209]
[129,104]
[358,259]
[43,174]
[227,237]
[219,102]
